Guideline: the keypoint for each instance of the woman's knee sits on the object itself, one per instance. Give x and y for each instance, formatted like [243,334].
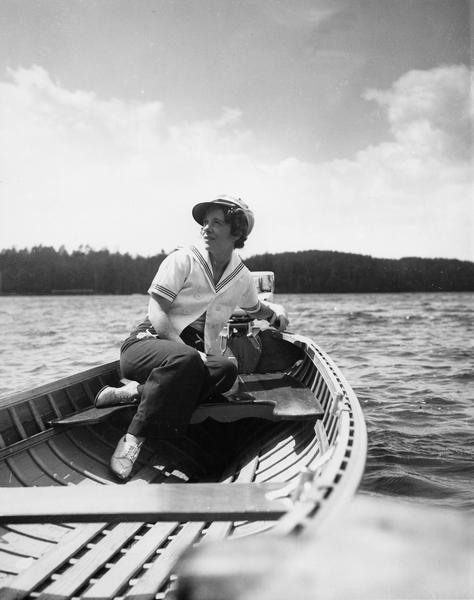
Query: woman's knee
[222,370]
[187,359]
[230,373]
[230,368]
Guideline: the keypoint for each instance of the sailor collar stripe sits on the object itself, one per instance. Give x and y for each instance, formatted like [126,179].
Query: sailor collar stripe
[208,271]
[204,265]
[229,277]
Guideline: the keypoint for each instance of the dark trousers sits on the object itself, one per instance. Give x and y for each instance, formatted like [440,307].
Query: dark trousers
[173,380]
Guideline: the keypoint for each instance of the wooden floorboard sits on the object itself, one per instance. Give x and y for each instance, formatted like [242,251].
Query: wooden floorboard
[158,572]
[88,564]
[130,563]
[39,571]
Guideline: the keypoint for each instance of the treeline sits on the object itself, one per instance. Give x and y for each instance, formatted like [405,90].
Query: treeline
[44,270]
[332,272]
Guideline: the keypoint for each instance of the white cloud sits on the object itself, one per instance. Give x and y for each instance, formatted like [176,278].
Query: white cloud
[430,112]
[78,169]
[304,17]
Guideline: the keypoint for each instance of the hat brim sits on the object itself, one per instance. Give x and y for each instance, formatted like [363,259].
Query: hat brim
[199,211]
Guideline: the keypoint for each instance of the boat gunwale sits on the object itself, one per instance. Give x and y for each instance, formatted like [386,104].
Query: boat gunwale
[15,398]
[313,500]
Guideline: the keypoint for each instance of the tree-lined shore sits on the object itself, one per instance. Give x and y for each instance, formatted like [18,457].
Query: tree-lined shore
[45,270]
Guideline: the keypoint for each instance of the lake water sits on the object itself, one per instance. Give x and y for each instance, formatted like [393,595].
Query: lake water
[409,358]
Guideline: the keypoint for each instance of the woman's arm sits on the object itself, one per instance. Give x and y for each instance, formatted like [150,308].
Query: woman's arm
[275,314]
[158,309]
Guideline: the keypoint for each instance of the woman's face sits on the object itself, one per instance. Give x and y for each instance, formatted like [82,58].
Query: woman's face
[216,232]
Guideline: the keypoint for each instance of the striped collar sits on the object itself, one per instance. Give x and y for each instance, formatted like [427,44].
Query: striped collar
[233,268]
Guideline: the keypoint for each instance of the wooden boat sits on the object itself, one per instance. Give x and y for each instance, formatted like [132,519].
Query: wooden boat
[285,452]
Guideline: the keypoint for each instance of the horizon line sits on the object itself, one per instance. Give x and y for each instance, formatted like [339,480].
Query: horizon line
[90,249]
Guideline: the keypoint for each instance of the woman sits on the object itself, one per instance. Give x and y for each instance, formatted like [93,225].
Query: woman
[173,357]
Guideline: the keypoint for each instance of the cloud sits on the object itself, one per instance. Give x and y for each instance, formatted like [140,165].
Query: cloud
[300,15]
[79,169]
[430,112]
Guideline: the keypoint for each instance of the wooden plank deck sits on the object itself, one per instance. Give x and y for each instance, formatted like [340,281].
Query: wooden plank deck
[47,564]
[90,562]
[132,561]
[158,572]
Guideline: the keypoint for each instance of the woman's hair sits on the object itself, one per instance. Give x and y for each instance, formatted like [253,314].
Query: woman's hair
[237,220]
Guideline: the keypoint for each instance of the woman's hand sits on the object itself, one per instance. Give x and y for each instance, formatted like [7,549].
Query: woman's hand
[280,319]
[275,314]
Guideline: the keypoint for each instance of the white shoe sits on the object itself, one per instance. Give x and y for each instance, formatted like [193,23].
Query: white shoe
[124,457]
[111,396]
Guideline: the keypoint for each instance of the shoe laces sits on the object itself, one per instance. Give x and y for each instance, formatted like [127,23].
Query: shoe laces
[130,451]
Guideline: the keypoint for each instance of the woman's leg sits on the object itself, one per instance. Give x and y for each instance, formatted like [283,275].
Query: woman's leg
[220,376]
[220,371]
[171,377]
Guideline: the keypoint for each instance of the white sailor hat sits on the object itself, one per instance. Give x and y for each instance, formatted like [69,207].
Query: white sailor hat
[199,211]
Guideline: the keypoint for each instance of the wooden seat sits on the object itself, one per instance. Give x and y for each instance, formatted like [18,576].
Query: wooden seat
[272,396]
[146,502]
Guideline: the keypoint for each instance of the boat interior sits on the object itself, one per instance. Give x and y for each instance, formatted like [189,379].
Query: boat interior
[278,425]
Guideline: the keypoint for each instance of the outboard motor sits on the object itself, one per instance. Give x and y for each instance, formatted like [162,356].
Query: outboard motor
[239,338]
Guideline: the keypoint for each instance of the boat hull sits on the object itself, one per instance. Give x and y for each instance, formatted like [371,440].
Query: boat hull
[307,467]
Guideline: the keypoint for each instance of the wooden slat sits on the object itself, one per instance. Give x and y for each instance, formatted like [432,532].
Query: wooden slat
[159,571]
[154,502]
[85,566]
[220,529]
[40,570]
[124,569]
[113,581]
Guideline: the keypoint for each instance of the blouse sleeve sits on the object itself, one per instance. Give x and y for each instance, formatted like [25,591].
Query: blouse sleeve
[249,300]
[171,275]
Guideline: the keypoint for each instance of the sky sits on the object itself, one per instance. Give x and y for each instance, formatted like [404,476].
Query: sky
[345,124]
